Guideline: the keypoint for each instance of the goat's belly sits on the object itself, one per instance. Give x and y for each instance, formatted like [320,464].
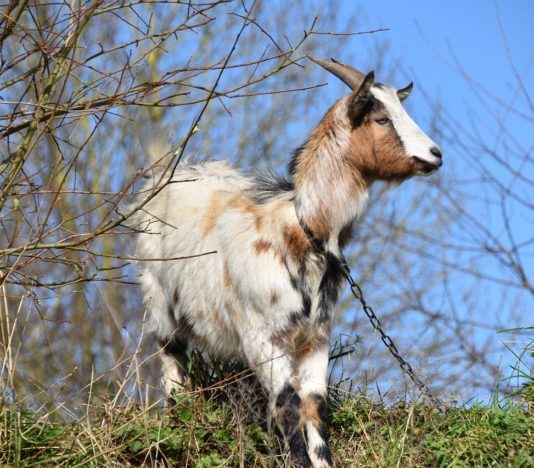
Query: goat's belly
[196,296]
[236,292]
[216,304]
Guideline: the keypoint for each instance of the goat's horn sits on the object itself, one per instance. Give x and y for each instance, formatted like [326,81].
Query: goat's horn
[349,75]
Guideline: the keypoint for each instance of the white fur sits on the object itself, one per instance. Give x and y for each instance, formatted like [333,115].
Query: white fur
[315,441]
[173,378]
[174,228]
[248,297]
[416,142]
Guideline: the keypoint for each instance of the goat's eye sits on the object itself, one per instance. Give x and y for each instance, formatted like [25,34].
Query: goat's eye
[382,121]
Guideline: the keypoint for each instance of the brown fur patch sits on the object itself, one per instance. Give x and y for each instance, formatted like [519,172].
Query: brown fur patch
[243,204]
[227,279]
[307,162]
[378,154]
[297,243]
[305,344]
[262,246]
[309,409]
[318,225]
[175,296]
[216,206]
[220,201]
[215,320]
[297,342]
[392,161]
[246,205]
[274,298]
[235,315]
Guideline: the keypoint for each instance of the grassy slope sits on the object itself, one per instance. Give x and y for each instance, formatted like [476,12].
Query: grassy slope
[197,433]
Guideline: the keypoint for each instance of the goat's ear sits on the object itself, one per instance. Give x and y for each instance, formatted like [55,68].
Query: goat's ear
[360,97]
[405,92]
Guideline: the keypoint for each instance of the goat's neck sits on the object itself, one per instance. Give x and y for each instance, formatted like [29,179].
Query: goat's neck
[330,192]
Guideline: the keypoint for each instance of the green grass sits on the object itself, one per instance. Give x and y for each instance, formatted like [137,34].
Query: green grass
[225,426]
[371,435]
[204,433]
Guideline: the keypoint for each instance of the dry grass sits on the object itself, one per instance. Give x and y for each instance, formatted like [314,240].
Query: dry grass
[224,424]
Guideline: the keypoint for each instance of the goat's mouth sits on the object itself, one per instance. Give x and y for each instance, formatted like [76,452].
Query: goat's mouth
[426,167]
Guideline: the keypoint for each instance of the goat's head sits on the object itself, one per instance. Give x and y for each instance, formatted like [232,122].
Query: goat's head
[385,143]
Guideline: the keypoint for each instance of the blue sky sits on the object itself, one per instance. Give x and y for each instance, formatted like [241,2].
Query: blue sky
[419,30]
[484,37]
[426,38]
[433,40]
[423,36]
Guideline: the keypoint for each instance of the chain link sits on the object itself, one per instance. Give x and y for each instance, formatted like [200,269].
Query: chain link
[386,339]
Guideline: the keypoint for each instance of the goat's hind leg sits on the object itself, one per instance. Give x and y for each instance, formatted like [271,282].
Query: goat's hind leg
[172,335]
[174,362]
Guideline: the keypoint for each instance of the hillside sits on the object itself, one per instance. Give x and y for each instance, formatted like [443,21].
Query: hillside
[206,429]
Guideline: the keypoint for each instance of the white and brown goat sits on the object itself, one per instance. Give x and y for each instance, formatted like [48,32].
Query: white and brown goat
[268,295]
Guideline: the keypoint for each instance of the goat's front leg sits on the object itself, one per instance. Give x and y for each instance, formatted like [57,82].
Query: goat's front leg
[312,369]
[276,371]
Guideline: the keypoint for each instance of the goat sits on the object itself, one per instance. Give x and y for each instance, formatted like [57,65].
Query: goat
[268,294]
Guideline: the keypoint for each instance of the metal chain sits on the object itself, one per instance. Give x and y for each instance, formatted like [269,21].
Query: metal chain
[386,339]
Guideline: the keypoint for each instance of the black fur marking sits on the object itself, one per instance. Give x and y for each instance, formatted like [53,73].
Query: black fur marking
[173,346]
[330,286]
[299,285]
[270,185]
[295,318]
[288,405]
[292,167]
[306,305]
[288,402]
[184,327]
[375,105]
[322,408]
[323,453]
[364,105]
[285,396]
[323,431]
[299,453]
[322,413]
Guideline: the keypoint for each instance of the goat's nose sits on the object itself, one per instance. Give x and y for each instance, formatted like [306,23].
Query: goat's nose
[436,151]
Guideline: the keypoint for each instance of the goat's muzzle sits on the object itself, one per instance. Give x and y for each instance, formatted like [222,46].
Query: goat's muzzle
[428,167]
